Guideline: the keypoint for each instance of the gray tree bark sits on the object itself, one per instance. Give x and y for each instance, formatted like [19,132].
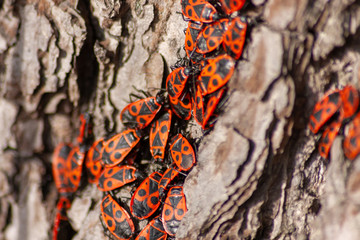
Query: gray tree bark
[258,173]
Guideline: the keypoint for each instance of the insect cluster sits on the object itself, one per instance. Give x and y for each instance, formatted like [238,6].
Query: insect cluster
[155,128]
[338,108]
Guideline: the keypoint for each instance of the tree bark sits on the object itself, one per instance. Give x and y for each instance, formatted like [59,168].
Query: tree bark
[258,172]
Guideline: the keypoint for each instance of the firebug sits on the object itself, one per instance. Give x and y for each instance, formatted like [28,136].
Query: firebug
[174,210]
[182,153]
[234,37]
[116,218]
[139,114]
[117,176]
[119,146]
[324,110]
[199,11]
[145,200]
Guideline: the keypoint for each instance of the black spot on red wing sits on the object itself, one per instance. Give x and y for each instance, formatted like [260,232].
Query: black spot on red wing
[236,46]
[154,200]
[189,12]
[189,43]
[186,148]
[180,212]
[177,158]
[109,184]
[186,101]
[118,214]
[353,141]
[215,82]
[167,212]
[141,192]
[322,149]
[164,129]
[134,108]
[117,155]
[109,223]
[95,167]
[212,43]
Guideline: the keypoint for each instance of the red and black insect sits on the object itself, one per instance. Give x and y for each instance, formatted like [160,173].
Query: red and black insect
[230,6]
[191,34]
[324,110]
[199,11]
[67,167]
[153,231]
[182,153]
[117,176]
[176,81]
[234,37]
[119,146]
[116,218]
[211,37]
[93,161]
[351,144]
[174,210]
[159,134]
[139,114]
[182,106]
[145,200]
[216,74]
[167,177]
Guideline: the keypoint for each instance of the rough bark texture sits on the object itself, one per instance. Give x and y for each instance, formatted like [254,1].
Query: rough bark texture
[258,175]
